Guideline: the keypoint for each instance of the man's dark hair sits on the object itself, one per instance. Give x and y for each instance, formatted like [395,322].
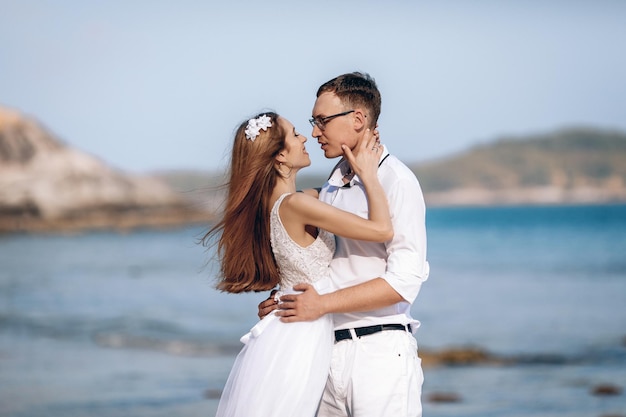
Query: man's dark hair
[356,89]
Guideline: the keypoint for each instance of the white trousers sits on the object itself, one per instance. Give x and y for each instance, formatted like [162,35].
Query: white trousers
[374,376]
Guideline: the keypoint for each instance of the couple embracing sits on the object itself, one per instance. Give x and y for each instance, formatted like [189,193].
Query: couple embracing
[348,258]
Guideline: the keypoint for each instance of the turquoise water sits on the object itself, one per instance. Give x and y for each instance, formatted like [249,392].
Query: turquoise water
[106,324]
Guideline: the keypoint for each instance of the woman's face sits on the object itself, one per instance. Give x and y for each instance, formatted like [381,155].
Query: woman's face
[295,153]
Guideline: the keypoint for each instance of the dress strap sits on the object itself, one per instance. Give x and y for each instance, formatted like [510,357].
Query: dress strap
[279,200]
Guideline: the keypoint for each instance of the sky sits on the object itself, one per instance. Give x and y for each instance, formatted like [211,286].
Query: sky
[150,85]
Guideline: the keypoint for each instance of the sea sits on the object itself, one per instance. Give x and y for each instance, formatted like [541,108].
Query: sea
[108,324]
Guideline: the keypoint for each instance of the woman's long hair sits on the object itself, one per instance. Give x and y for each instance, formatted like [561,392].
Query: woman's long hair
[246,259]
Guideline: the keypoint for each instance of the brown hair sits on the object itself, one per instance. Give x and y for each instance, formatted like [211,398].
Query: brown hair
[246,259]
[356,89]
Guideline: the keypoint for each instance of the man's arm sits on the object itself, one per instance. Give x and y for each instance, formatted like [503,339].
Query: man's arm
[309,305]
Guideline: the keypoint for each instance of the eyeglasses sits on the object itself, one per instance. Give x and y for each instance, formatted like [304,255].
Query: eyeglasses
[321,121]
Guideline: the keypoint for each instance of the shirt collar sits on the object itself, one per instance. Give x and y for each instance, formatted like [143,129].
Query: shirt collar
[336,178]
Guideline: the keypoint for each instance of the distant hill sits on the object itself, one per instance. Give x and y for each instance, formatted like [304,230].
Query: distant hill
[46,185]
[576,165]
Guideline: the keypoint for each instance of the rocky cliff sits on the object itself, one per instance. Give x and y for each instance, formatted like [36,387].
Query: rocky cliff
[47,185]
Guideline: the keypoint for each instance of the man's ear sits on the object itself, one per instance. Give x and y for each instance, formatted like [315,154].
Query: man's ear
[360,119]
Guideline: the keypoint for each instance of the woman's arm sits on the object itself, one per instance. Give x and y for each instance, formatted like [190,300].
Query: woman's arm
[302,208]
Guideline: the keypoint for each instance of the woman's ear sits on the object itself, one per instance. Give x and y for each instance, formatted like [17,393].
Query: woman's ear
[280,158]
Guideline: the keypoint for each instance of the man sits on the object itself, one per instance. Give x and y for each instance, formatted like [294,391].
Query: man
[375,370]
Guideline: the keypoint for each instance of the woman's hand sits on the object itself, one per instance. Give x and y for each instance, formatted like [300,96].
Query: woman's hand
[364,161]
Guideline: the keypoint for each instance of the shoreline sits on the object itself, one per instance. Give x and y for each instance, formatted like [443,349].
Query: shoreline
[167,218]
[535,196]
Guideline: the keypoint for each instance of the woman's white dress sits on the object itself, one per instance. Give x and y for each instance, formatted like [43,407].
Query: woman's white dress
[282,369]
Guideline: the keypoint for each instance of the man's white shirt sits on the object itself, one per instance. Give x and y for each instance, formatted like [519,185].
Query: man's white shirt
[400,261]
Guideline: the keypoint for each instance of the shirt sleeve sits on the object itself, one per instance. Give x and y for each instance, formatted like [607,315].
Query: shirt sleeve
[407,267]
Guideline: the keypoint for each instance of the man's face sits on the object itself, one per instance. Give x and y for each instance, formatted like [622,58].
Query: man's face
[338,130]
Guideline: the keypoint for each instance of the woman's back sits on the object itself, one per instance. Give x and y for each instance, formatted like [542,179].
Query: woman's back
[298,264]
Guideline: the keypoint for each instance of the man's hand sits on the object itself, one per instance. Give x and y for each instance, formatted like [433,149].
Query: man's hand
[306,306]
[267,306]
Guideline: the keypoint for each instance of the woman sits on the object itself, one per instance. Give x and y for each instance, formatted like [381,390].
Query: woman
[272,235]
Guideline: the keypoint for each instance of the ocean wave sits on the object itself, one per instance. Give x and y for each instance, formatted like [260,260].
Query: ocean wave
[121,340]
[121,333]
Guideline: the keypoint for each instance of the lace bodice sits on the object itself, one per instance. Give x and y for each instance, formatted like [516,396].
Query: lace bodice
[299,264]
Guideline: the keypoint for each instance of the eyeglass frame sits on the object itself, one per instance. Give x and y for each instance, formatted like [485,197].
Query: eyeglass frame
[317,121]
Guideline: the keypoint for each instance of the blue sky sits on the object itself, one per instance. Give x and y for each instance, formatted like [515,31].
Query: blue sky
[149,85]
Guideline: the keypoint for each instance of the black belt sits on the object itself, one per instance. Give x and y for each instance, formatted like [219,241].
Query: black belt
[364,331]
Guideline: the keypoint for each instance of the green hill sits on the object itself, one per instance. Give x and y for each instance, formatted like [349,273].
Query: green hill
[569,158]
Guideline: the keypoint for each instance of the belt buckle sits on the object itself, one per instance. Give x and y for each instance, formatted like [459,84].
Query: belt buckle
[343,334]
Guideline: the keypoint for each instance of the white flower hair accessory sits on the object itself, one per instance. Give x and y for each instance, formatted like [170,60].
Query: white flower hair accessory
[255,125]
